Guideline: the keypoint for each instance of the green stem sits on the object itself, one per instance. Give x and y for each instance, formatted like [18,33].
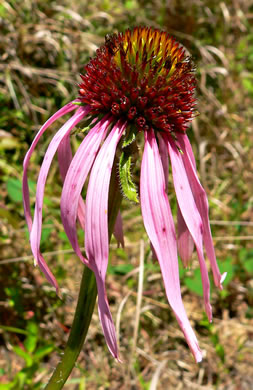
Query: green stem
[84,310]
[86,301]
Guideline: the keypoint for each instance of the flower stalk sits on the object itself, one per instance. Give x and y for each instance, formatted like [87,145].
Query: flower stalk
[83,314]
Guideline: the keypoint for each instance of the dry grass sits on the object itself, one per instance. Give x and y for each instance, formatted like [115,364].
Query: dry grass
[43,48]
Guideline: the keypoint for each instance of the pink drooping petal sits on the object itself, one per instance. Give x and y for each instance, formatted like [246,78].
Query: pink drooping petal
[202,205]
[75,179]
[35,234]
[46,271]
[190,153]
[185,242]
[190,214]
[96,237]
[65,158]
[118,230]
[106,318]
[26,199]
[159,225]
[165,159]
[96,223]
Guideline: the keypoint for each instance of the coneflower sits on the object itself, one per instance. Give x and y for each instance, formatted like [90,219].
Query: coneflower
[140,82]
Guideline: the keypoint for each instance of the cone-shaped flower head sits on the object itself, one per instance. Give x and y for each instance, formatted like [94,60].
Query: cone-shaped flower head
[140,82]
[144,77]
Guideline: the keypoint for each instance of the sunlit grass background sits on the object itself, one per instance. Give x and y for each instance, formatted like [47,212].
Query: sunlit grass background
[43,47]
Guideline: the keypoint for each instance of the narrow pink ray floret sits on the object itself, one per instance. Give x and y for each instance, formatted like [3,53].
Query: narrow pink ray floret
[140,82]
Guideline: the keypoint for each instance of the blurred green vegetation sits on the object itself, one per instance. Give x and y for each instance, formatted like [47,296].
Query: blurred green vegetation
[43,48]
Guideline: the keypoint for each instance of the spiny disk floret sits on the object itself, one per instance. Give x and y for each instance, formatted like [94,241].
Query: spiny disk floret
[142,76]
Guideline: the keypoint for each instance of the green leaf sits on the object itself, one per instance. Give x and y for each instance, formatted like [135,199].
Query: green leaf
[7,386]
[121,254]
[121,269]
[246,258]
[45,234]
[14,189]
[130,137]
[15,298]
[3,11]
[48,201]
[32,338]
[195,284]
[21,379]
[127,185]
[248,84]
[13,329]
[182,270]
[220,352]
[79,104]
[82,384]
[248,265]
[26,356]
[227,266]
[43,351]
[130,4]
